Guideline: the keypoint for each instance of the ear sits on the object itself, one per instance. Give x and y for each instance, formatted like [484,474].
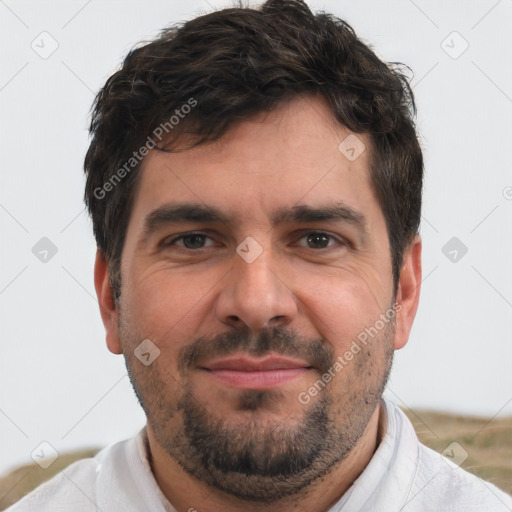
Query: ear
[108,309]
[408,293]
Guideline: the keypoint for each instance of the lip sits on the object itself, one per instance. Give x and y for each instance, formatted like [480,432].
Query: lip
[255,373]
[248,364]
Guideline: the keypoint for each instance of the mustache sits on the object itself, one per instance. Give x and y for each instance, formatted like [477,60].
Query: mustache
[317,352]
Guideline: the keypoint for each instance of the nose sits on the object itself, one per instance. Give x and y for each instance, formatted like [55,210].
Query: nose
[255,294]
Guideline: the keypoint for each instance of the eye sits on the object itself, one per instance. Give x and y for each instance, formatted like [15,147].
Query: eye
[317,240]
[190,241]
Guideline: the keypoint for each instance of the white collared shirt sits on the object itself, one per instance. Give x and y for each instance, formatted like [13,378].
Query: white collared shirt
[403,475]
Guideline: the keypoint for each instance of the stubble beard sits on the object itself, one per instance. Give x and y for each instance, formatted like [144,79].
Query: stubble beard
[261,459]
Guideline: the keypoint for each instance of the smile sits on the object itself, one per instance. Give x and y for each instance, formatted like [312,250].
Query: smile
[249,373]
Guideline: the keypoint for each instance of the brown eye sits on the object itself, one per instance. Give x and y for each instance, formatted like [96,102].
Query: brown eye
[190,241]
[318,240]
[194,241]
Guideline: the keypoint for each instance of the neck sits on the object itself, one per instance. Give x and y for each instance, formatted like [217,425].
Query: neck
[187,494]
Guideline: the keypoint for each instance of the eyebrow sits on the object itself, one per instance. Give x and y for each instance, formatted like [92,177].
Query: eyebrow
[182,212]
[191,212]
[324,213]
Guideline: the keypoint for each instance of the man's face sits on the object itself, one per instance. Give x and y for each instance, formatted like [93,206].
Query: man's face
[253,264]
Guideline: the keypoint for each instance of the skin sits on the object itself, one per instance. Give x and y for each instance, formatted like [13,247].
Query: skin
[320,297]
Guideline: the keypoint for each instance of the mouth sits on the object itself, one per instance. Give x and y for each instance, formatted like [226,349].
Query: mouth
[255,373]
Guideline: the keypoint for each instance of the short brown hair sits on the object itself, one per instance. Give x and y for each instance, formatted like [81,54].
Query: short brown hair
[236,62]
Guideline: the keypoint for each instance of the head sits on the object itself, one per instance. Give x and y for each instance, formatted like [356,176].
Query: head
[254,180]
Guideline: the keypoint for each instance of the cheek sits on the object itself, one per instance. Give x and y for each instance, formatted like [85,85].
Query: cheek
[168,305]
[343,304]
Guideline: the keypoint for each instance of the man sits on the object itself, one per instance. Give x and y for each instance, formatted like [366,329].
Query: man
[254,180]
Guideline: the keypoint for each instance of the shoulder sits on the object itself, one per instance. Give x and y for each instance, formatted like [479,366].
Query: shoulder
[440,484]
[415,478]
[79,486]
[73,485]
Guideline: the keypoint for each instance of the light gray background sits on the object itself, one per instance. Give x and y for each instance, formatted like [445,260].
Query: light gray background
[58,382]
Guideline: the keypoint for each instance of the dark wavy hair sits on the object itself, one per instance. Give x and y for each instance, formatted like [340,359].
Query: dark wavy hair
[236,62]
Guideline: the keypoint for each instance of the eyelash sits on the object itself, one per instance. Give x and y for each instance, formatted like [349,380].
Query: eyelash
[173,241]
[168,243]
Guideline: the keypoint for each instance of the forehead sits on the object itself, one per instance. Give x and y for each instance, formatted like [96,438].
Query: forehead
[297,153]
